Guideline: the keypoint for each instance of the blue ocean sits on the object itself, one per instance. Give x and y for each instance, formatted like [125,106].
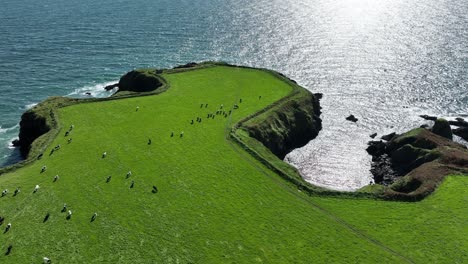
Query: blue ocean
[384,61]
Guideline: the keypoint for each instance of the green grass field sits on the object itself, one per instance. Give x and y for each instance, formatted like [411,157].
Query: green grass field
[215,203]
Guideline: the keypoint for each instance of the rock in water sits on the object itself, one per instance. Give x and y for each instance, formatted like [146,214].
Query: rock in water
[442,128]
[352,118]
[461,132]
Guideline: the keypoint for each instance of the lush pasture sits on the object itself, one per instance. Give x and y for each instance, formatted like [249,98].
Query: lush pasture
[215,203]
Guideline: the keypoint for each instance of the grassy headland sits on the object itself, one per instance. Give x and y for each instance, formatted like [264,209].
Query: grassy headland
[216,203]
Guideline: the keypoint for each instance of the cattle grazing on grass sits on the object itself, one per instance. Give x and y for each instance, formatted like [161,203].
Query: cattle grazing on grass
[149,141]
[108,178]
[155,189]
[69,214]
[36,188]
[206,105]
[172,133]
[182,134]
[9,248]
[93,217]
[132,184]
[46,260]
[104,154]
[129,173]
[4,192]
[69,140]
[8,227]
[56,177]
[43,169]
[64,208]
[16,191]
[137,108]
[46,217]
[1,220]
[71,128]
[67,133]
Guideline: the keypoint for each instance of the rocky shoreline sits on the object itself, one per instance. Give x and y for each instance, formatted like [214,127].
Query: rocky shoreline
[414,163]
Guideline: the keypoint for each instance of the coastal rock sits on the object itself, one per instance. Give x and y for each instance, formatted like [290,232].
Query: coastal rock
[290,125]
[414,163]
[461,132]
[460,122]
[428,117]
[32,125]
[442,128]
[15,143]
[373,135]
[112,86]
[388,137]
[376,148]
[139,81]
[352,118]
[188,65]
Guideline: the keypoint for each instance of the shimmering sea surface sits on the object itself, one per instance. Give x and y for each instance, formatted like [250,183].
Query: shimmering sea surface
[384,61]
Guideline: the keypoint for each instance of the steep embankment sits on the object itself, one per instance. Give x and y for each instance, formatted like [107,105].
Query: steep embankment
[289,125]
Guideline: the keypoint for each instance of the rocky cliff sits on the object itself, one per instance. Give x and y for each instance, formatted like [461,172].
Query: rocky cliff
[290,125]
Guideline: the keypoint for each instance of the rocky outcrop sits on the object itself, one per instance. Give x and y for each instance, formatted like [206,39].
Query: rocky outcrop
[33,124]
[461,132]
[414,163]
[442,128]
[352,118]
[290,125]
[139,81]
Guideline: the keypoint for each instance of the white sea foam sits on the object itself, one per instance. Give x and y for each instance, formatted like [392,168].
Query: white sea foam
[6,130]
[29,106]
[93,90]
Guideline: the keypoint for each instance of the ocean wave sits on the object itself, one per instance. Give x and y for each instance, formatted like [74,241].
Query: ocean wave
[8,129]
[93,90]
[10,143]
[29,106]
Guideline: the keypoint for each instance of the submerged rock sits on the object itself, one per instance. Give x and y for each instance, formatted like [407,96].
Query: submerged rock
[461,132]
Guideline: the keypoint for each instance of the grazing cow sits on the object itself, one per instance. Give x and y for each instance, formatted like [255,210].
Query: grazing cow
[155,189]
[71,127]
[104,154]
[201,105]
[182,134]
[132,184]
[8,250]
[8,227]
[4,192]
[129,173]
[36,188]
[221,107]
[240,100]
[149,141]
[93,217]
[46,217]
[43,169]
[260,97]
[51,152]
[108,178]
[64,208]
[16,191]
[69,140]
[56,178]
[69,213]
[57,147]
[206,105]
[1,220]
[172,133]
[47,260]
[191,122]
[137,108]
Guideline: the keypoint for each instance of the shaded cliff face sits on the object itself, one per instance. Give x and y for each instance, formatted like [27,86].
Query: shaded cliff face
[32,126]
[139,81]
[288,126]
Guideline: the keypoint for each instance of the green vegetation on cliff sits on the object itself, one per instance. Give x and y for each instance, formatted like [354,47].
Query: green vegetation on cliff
[218,199]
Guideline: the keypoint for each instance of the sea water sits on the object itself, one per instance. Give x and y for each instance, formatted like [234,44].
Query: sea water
[384,61]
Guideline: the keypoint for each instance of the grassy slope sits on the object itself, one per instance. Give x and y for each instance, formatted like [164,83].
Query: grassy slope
[215,205]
